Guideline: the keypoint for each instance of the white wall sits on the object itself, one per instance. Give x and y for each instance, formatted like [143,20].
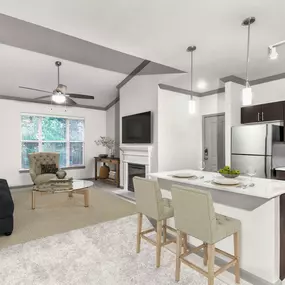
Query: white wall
[212,104]
[141,95]
[269,92]
[175,134]
[179,133]
[113,125]
[10,142]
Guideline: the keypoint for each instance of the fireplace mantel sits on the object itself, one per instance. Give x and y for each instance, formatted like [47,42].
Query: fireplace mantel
[138,154]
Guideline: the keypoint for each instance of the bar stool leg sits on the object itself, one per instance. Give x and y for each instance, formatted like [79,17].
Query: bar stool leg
[164,231]
[237,255]
[211,262]
[158,242]
[185,242]
[139,230]
[178,253]
[205,254]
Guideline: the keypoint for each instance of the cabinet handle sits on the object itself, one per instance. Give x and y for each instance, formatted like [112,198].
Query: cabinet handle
[258,117]
[262,116]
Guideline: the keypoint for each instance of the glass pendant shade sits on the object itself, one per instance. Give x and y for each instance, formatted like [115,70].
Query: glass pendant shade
[246,96]
[191,106]
[246,91]
[58,98]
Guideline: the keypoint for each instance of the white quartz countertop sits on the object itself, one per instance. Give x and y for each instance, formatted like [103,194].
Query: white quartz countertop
[280,168]
[263,188]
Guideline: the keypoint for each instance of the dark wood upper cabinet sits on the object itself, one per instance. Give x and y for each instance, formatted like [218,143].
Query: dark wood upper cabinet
[272,111]
[263,113]
[251,114]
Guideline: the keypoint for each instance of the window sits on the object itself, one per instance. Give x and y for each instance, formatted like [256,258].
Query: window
[63,135]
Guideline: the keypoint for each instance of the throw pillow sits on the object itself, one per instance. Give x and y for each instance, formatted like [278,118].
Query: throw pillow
[48,168]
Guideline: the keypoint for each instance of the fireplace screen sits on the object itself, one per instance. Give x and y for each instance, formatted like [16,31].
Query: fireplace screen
[134,170]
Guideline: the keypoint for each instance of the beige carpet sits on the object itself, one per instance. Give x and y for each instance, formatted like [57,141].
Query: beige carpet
[57,213]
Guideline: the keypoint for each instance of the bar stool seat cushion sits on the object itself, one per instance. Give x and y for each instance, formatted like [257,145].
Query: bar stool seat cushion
[225,226]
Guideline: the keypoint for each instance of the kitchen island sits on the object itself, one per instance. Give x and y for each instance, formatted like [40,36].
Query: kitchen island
[261,210]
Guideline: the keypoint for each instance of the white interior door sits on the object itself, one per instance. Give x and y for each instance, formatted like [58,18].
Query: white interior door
[214,142]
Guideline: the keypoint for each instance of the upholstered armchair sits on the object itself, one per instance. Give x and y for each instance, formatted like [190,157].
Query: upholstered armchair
[36,160]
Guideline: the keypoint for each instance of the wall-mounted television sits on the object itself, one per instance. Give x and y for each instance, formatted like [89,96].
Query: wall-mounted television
[137,128]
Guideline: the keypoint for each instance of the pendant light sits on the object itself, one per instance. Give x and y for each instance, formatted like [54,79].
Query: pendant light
[247,91]
[191,102]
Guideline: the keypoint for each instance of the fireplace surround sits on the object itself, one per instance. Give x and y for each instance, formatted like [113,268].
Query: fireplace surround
[137,155]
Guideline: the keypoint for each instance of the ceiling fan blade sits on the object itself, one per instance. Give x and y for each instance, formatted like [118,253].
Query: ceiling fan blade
[43,97]
[69,101]
[34,89]
[80,96]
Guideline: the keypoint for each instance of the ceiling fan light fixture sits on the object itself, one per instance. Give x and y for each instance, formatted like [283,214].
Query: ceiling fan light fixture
[58,98]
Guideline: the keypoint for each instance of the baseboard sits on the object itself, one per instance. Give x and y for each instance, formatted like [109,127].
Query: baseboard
[20,187]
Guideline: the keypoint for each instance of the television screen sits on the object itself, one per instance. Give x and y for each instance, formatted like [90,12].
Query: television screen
[137,128]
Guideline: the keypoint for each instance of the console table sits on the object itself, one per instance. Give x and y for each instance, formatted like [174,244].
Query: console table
[109,160]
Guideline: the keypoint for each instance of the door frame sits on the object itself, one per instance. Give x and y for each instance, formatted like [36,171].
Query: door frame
[203,128]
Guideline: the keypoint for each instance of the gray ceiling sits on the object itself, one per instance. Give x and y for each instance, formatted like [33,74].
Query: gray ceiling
[28,36]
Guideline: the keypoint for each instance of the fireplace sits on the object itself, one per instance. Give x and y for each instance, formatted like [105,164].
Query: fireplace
[140,157]
[134,170]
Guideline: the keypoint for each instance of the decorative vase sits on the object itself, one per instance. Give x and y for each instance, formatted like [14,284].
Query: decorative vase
[60,174]
[104,171]
[112,152]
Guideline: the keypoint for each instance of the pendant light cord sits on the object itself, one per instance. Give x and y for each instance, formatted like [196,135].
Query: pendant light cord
[247,56]
[57,75]
[191,76]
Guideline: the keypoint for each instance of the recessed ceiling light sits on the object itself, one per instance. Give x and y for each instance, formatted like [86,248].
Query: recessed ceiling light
[202,84]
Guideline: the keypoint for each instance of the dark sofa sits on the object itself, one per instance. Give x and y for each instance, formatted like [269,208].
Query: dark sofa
[6,209]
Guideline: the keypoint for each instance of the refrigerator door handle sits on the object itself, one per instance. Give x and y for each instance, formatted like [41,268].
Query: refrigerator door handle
[265,157]
[265,166]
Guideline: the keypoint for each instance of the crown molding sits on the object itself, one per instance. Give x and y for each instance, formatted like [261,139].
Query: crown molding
[178,90]
[137,70]
[267,79]
[262,80]
[233,78]
[112,103]
[212,92]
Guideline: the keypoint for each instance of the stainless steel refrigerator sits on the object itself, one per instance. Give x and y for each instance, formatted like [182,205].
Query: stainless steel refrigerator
[254,146]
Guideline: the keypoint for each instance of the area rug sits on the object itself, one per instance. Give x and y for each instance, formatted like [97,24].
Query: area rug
[57,213]
[100,254]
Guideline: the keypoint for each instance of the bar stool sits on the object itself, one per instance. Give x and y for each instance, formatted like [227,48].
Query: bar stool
[149,202]
[194,215]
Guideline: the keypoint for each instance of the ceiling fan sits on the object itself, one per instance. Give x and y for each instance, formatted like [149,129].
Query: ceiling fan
[59,95]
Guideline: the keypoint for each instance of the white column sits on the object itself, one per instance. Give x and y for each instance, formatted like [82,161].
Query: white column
[233,102]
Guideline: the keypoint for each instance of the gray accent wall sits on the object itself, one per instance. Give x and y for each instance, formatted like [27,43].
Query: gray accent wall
[28,36]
